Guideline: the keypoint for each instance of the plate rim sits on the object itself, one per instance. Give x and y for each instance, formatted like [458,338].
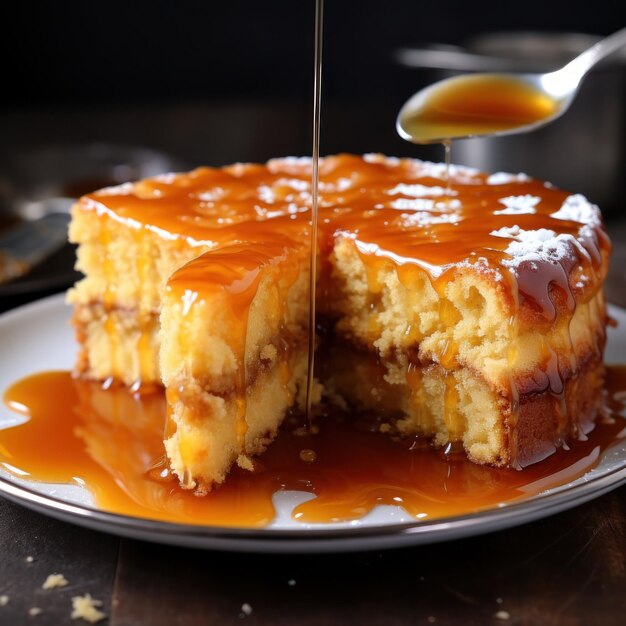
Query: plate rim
[306,539]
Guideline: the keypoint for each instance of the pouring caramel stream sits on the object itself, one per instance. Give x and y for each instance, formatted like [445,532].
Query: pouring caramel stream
[315,183]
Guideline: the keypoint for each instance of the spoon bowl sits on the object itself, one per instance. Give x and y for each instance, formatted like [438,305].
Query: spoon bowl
[496,104]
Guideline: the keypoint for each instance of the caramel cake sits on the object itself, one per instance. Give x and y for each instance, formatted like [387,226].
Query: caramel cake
[470,313]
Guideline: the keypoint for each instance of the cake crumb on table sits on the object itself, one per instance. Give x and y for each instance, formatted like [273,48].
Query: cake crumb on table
[53,581]
[34,611]
[291,582]
[308,456]
[503,615]
[246,610]
[29,559]
[4,600]
[86,608]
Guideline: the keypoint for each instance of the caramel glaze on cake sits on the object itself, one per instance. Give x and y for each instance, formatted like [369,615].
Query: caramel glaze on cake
[473,316]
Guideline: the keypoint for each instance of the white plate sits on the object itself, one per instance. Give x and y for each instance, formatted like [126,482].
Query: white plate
[38,337]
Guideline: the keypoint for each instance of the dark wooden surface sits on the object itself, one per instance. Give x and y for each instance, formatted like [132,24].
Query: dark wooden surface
[569,569]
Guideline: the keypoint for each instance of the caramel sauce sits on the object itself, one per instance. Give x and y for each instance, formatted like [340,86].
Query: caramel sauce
[315,183]
[475,105]
[111,441]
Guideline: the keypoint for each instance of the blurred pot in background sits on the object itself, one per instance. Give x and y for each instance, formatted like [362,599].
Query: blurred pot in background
[584,150]
[45,179]
[37,188]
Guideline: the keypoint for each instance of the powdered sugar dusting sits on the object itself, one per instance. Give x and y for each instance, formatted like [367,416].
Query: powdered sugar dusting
[278,165]
[530,237]
[419,191]
[459,172]
[504,178]
[516,205]
[577,208]
[544,244]
[116,190]
[341,184]
[413,204]
[536,246]
[429,169]
[426,218]
[211,195]
[375,157]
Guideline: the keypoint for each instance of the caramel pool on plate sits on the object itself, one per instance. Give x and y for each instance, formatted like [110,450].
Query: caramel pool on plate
[111,440]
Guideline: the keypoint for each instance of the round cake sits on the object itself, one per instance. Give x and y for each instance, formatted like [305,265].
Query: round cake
[468,312]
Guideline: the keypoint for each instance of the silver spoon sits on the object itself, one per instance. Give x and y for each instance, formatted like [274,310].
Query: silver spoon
[432,116]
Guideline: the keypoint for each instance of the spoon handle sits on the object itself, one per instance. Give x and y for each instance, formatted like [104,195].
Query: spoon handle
[457,60]
[585,61]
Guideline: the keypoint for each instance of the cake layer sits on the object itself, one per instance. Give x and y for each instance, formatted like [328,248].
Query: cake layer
[458,410]
[117,343]
[126,266]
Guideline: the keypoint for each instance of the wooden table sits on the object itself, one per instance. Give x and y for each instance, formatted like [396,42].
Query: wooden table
[569,569]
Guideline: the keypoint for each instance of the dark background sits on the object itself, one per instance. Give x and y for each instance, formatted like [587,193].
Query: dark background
[146,56]
[115,52]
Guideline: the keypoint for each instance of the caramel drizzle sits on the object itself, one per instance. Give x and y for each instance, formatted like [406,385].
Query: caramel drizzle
[317,104]
[363,198]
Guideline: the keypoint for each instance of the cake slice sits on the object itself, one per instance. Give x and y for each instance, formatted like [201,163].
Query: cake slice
[195,263]
[233,355]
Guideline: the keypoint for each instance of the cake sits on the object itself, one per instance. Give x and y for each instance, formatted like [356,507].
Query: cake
[471,316]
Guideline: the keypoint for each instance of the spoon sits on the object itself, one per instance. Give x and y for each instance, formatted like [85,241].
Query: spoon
[496,104]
